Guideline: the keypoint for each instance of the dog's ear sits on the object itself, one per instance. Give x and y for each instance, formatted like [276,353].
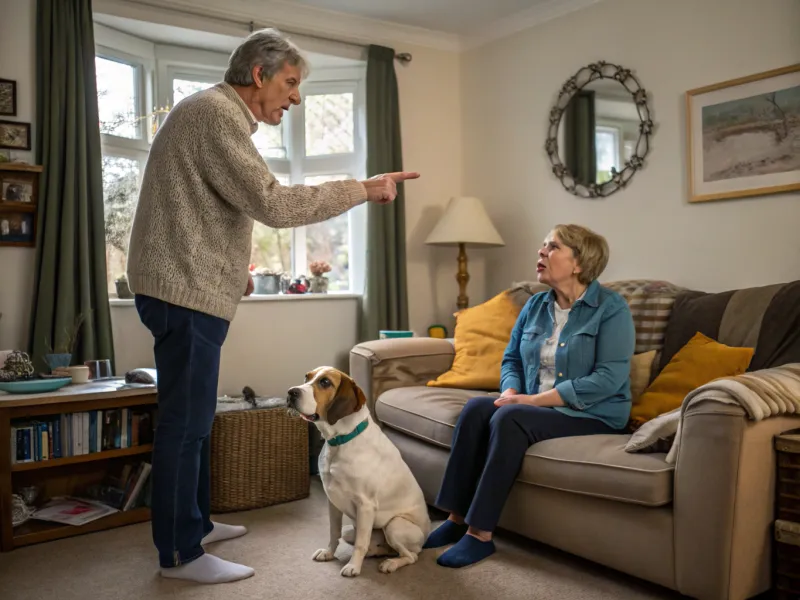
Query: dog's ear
[348,399]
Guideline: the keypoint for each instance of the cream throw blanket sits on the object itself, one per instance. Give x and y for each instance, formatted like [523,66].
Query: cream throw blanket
[762,394]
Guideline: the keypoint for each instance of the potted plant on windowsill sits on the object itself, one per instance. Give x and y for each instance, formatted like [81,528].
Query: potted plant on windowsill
[266,281]
[319,283]
[60,355]
[123,289]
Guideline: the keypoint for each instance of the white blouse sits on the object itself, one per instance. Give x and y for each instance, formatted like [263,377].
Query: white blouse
[547,358]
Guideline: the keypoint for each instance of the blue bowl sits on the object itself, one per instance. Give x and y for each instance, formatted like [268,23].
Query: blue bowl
[35,386]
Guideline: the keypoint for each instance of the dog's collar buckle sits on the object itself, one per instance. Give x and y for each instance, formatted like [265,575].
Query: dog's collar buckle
[344,438]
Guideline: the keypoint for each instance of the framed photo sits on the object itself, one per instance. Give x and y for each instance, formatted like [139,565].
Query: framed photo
[8,98]
[19,189]
[17,228]
[15,136]
[743,136]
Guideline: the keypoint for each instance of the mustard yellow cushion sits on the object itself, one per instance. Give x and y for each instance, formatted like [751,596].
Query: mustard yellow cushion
[700,361]
[641,368]
[481,335]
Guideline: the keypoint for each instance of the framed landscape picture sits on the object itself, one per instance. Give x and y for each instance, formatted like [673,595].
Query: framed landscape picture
[743,136]
[15,136]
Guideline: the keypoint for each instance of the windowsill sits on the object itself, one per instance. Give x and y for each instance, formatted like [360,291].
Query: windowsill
[269,298]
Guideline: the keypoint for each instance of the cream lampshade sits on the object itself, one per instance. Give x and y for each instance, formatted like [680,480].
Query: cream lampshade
[464,223]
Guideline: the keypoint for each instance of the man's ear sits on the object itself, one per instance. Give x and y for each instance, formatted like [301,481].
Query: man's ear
[348,399]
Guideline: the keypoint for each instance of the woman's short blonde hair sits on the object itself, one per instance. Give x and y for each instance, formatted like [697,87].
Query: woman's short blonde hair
[590,250]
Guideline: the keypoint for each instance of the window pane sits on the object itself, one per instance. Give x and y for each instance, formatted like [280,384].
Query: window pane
[182,88]
[269,141]
[329,124]
[272,248]
[120,194]
[329,241]
[606,146]
[116,98]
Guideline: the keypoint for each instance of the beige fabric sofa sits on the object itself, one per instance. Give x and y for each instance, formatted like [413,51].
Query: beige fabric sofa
[701,527]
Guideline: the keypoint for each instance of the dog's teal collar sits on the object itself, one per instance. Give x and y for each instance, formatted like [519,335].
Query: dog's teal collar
[343,439]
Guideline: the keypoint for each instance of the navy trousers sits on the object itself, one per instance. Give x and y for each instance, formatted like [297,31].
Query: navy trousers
[489,443]
[187,347]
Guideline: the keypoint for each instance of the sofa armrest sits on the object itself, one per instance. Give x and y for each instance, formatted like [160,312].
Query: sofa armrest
[724,501]
[382,365]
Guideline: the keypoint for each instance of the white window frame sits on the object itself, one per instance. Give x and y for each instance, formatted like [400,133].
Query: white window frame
[155,89]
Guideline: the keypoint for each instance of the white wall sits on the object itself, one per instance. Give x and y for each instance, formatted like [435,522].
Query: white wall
[17,62]
[271,343]
[265,347]
[508,87]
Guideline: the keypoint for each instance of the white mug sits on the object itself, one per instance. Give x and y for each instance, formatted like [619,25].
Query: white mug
[79,374]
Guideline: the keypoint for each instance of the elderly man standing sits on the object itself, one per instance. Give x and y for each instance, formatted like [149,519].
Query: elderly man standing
[204,185]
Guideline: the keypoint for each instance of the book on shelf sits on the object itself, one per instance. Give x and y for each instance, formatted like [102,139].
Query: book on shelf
[79,433]
[125,491]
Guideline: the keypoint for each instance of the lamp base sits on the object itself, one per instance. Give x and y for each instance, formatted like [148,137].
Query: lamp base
[462,277]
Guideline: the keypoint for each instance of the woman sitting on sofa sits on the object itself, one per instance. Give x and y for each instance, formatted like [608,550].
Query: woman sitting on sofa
[565,372]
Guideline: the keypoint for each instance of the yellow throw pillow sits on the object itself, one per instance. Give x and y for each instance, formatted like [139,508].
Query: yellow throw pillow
[700,361]
[641,368]
[481,336]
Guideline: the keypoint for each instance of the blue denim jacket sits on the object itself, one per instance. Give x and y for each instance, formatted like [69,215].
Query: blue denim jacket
[593,356]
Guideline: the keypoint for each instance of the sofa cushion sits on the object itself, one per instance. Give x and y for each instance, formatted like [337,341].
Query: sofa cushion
[765,318]
[651,303]
[481,335]
[594,465]
[699,362]
[426,413]
[597,465]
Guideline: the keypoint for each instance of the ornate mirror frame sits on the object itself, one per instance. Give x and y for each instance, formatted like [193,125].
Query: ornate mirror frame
[619,179]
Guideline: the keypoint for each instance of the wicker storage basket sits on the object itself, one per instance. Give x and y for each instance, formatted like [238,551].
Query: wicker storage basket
[259,457]
[786,561]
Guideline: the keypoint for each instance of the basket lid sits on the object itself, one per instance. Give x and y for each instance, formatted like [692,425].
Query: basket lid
[788,441]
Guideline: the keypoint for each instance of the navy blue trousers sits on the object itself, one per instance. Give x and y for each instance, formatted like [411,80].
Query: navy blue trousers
[187,347]
[489,443]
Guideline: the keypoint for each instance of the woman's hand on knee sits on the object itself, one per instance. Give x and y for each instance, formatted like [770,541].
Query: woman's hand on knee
[515,399]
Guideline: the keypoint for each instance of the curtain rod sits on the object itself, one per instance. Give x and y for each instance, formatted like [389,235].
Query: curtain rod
[404,57]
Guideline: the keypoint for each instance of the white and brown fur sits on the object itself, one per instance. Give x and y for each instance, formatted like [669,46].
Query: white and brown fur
[365,478]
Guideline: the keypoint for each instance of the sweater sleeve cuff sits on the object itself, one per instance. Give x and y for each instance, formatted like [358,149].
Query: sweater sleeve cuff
[356,192]
[566,390]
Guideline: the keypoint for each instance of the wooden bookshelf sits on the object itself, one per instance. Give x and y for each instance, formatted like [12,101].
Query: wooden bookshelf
[64,476]
[35,532]
[71,460]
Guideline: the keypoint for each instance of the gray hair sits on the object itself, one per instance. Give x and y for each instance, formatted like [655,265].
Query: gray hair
[267,48]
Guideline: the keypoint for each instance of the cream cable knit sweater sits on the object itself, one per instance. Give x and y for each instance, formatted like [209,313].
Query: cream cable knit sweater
[203,186]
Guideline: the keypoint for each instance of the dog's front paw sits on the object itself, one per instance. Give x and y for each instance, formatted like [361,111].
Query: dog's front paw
[351,570]
[390,565]
[323,555]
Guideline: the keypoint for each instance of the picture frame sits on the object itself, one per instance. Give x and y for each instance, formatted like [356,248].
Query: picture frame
[740,136]
[8,98]
[15,135]
[18,188]
[17,228]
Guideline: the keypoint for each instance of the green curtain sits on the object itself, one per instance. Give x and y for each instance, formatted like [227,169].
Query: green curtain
[579,141]
[71,260]
[385,301]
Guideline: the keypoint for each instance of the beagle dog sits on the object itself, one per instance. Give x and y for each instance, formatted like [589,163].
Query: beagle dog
[363,475]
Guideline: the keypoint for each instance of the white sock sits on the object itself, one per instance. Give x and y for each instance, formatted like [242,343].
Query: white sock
[223,531]
[209,569]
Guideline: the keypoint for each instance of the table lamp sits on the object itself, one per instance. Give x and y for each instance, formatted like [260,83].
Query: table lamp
[463,223]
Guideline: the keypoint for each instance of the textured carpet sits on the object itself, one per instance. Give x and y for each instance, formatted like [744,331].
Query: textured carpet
[120,564]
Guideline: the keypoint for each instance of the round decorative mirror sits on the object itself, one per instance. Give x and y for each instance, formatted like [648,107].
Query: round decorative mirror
[600,130]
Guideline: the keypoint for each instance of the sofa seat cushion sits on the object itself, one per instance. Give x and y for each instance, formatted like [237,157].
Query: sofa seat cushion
[427,413]
[597,465]
[594,465]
